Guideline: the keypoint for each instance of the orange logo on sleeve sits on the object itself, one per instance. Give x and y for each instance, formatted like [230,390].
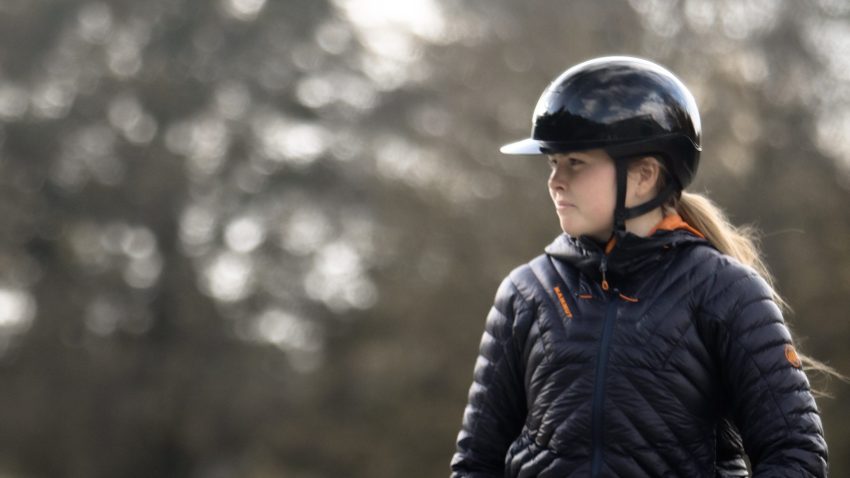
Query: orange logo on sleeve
[791,355]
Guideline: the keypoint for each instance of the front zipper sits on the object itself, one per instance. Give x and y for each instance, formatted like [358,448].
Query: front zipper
[603,268]
[599,386]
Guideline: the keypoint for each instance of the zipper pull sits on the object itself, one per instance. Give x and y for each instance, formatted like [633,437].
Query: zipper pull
[603,268]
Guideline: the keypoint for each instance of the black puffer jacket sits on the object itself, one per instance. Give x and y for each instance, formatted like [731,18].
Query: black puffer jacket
[651,378]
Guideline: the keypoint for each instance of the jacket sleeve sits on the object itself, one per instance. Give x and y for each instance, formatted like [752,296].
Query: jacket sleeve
[769,396]
[496,409]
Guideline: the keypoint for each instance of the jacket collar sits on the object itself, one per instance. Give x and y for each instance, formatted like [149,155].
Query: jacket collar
[627,254]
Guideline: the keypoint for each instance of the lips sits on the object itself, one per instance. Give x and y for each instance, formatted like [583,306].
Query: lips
[563,205]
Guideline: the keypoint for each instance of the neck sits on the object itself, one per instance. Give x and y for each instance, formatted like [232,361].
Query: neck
[645,223]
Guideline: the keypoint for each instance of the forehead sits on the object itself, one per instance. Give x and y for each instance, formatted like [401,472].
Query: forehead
[587,155]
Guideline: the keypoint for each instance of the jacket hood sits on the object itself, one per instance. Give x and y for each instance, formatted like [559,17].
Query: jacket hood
[626,254]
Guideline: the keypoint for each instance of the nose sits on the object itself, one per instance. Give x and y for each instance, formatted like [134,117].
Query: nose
[558,178]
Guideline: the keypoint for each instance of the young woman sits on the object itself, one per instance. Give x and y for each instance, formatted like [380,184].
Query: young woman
[646,341]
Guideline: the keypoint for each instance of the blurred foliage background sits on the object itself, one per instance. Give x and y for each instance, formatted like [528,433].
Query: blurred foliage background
[259,238]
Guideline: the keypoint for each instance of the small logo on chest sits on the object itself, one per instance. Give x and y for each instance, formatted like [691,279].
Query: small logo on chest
[563,302]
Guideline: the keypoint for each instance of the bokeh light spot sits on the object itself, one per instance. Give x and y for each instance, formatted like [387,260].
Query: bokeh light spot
[245,10]
[17,310]
[244,234]
[228,276]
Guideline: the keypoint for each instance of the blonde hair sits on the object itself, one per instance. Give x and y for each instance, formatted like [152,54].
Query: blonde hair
[739,242]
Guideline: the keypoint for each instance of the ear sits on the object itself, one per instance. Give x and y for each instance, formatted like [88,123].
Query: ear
[645,173]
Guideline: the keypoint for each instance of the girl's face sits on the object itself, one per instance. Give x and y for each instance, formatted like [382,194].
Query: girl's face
[583,187]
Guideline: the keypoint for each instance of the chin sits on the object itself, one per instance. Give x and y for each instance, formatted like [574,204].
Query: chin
[573,228]
[571,231]
[578,232]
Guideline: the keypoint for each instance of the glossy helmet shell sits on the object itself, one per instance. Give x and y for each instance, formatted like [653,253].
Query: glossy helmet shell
[627,106]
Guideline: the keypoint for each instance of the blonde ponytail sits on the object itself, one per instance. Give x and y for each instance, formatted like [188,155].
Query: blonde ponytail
[740,242]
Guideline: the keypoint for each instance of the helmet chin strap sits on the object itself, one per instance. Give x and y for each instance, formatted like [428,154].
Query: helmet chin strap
[621,212]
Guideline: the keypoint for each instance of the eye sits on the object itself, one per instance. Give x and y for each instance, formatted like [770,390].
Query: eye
[553,162]
[575,162]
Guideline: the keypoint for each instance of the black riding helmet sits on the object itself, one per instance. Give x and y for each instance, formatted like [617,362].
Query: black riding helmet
[627,106]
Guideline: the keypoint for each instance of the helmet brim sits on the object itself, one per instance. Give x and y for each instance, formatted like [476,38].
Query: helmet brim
[536,146]
[525,146]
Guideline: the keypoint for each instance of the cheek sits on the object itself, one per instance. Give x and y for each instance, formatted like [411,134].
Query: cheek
[603,190]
